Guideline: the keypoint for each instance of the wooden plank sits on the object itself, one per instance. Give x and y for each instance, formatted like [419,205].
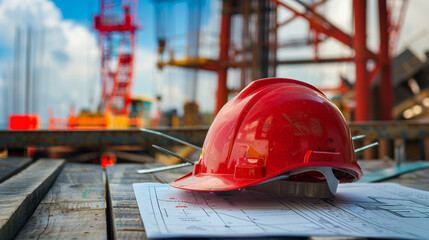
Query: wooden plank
[22,193]
[99,138]
[124,213]
[12,166]
[60,224]
[74,207]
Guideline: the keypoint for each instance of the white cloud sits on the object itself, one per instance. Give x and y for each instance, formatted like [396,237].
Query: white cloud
[71,57]
[206,94]
[71,63]
[173,91]
[144,77]
[175,86]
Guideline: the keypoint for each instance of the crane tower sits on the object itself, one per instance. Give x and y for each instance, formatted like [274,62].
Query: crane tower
[116,26]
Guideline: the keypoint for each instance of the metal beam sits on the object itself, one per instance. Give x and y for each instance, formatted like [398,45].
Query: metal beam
[225,33]
[101,138]
[322,25]
[98,139]
[385,63]
[361,58]
[320,60]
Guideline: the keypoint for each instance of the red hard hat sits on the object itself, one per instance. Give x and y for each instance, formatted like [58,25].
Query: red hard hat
[274,127]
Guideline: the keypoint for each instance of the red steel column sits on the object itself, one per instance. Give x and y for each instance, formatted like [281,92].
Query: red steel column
[359,43]
[225,33]
[386,90]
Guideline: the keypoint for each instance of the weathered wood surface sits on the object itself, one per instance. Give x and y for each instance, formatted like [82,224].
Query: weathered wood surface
[125,218]
[79,206]
[20,195]
[74,207]
[11,166]
[125,212]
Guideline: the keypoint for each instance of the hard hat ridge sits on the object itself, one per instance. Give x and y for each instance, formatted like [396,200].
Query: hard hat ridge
[275,126]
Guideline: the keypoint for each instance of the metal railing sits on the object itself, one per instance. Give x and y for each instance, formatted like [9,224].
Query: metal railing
[398,140]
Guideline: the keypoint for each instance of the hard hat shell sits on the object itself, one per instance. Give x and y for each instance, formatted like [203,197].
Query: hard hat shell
[273,126]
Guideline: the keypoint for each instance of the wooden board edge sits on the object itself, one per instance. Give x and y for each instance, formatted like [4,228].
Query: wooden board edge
[17,170]
[21,215]
[110,218]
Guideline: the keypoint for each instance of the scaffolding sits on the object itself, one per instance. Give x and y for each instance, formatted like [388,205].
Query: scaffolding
[248,41]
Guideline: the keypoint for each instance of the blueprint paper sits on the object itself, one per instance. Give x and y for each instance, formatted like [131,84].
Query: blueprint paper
[379,210]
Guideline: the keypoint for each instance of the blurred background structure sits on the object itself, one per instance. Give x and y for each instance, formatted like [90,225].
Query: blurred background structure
[131,64]
[140,81]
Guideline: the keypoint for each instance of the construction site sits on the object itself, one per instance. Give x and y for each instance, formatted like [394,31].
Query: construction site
[109,105]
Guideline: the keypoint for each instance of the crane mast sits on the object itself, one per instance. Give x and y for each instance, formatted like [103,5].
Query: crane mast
[116,26]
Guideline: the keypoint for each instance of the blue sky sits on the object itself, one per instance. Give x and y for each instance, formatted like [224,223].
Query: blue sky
[82,14]
[87,9]
[146,37]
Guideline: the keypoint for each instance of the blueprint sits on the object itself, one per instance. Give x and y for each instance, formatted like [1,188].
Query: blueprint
[379,210]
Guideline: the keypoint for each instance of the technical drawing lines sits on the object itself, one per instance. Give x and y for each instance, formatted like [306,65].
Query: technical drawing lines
[361,210]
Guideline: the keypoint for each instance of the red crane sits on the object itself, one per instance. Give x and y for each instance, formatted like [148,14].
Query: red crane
[116,26]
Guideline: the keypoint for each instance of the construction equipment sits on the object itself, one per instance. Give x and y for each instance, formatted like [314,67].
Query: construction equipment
[116,26]
[249,43]
[24,122]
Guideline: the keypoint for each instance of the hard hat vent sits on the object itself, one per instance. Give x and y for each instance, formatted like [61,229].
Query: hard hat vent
[272,130]
[322,156]
[250,168]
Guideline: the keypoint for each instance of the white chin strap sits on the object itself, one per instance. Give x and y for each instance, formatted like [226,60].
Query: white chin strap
[302,189]
[331,180]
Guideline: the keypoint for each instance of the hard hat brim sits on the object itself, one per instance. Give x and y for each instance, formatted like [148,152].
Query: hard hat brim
[226,182]
[211,183]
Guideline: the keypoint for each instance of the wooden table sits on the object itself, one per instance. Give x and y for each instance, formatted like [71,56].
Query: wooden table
[54,199]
